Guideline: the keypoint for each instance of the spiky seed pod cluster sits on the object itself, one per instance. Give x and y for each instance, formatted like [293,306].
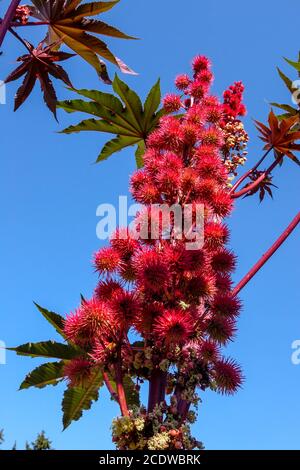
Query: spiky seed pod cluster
[177,299]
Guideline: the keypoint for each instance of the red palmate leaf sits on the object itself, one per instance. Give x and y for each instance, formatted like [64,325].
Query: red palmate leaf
[280,135]
[38,64]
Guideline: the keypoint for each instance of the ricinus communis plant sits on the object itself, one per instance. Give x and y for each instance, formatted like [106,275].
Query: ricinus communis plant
[162,312]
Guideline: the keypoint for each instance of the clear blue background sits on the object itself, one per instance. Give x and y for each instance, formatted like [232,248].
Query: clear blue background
[50,188]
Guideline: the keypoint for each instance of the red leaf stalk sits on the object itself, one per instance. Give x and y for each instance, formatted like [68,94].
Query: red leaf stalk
[249,172]
[257,182]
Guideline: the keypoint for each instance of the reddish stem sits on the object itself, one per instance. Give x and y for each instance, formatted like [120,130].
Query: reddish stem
[6,22]
[249,172]
[256,183]
[120,389]
[110,387]
[267,255]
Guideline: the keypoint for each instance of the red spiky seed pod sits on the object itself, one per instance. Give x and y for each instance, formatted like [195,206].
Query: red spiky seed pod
[152,271]
[207,189]
[148,313]
[214,114]
[221,329]
[209,351]
[105,289]
[196,115]
[193,260]
[125,307]
[226,304]
[106,260]
[228,376]
[201,63]
[182,82]
[212,137]
[222,204]
[223,261]
[205,76]
[199,287]
[124,243]
[173,327]
[147,194]
[198,89]
[127,272]
[216,235]
[89,320]
[223,282]
[171,103]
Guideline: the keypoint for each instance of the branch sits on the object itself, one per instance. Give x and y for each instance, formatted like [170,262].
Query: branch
[267,255]
[252,186]
[6,22]
[249,172]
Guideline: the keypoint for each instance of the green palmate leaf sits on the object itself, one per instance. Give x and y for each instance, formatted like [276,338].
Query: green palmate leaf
[78,399]
[53,318]
[125,117]
[132,395]
[46,374]
[49,349]
[115,145]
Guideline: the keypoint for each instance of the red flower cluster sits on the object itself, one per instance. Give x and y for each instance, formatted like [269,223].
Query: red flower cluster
[233,100]
[178,300]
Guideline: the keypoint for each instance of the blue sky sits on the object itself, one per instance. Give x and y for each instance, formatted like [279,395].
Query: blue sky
[50,189]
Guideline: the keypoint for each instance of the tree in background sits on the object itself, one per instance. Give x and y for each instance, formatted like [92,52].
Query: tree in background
[41,442]
[162,313]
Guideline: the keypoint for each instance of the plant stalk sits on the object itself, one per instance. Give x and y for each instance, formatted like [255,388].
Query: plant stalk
[120,389]
[110,387]
[157,388]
